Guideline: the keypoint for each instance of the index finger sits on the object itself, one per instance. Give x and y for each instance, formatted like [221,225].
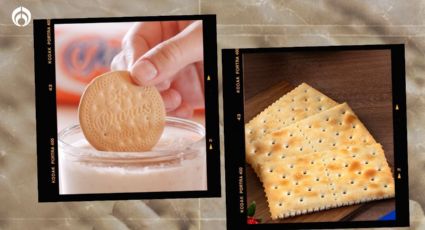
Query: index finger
[139,39]
[142,36]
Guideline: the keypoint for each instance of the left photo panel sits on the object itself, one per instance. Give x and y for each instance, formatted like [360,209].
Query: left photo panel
[127,108]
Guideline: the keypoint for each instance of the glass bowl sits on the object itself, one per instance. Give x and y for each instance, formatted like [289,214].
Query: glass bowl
[176,163]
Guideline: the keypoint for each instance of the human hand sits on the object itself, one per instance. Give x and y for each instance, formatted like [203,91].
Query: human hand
[169,56]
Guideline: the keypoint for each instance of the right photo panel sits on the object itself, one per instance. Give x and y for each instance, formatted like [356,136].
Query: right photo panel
[319,135]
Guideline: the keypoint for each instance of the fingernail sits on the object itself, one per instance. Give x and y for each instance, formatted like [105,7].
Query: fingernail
[144,71]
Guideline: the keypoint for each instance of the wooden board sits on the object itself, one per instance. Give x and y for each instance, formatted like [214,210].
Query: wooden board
[360,78]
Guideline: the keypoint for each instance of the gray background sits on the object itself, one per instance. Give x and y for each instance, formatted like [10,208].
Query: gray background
[241,23]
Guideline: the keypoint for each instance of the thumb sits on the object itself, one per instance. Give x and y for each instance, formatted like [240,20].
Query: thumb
[167,58]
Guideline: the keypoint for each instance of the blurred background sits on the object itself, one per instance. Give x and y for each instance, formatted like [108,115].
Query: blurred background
[82,52]
[251,23]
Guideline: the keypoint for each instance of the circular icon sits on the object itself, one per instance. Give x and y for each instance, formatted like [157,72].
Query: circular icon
[21,16]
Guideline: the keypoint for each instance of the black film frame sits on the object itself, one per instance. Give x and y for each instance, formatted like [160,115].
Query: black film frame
[46,116]
[233,100]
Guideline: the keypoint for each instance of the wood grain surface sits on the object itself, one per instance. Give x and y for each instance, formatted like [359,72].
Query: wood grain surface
[360,78]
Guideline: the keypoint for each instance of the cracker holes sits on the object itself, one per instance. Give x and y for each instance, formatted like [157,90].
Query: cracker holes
[359,172]
[291,134]
[372,179]
[374,153]
[269,154]
[379,169]
[346,165]
[344,192]
[292,109]
[306,109]
[293,100]
[365,188]
[317,179]
[340,123]
[283,176]
[352,182]
[322,196]
[309,126]
[280,204]
[301,199]
[264,121]
[385,186]
[327,119]
[275,187]
[312,162]
[309,190]
[293,119]
[270,170]
[273,142]
[319,99]
[354,155]
[297,183]
[320,141]
[291,166]
[339,175]
[282,157]
[286,146]
[337,133]
[323,130]
[334,144]
[350,137]
[343,112]
[301,149]
[320,108]
[304,172]
[354,126]
[366,162]
[306,99]
[288,193]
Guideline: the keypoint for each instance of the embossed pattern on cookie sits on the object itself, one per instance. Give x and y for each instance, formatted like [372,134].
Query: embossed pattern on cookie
[117,115]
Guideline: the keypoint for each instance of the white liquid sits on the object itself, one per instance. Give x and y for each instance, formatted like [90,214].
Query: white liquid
[76,177]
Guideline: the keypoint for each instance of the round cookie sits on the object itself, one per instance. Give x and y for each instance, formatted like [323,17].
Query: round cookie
[117,115]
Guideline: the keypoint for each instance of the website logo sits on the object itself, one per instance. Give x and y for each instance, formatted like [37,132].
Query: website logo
[21,16]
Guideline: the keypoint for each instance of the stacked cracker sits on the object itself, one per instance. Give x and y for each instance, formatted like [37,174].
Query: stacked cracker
[312,153]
